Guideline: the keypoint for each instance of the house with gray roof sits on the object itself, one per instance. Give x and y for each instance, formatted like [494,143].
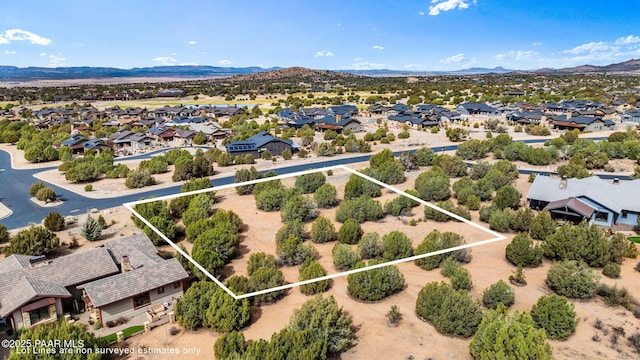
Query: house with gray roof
[582,123]
[258,143]
[35,290]
[601,202]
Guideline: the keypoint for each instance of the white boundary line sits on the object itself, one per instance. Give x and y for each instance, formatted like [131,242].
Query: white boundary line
[130,206]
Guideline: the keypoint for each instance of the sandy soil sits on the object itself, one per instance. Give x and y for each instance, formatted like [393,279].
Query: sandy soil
[376,339]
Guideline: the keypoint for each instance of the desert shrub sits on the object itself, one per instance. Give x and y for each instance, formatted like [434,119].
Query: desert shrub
[436,241]
[286,154]
[542,226]
[370,246]
[498,293]
[521,220]
[326,196]
[310,182]
[34,188]
[450,311]
[362,209]
[191,307]
[611,270]
[88,187]
[297,207]
[226,314]
[555,315]
[350,232]
[260,260]
[229,346]
[613,296]
[572,279]
[437,215]
[396,245]
[266,278]
[517,277]
[310,271]
[91,229]
[165,226]
[375,284]
[4,234]
[292,251]
[522,252]
[46,194]
[401,205]
[292,228]
[499,220]
[433,185]
[53,222]
[501,336]
[238,284]
[270,199]
[36,240]
[322,230]
[448,266]
[357,186]
[461,279]
[344,257]
[582,242]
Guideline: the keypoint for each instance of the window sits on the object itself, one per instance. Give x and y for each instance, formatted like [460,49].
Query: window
[624,214]
[602,216]
[177,284]
[160,290]
[141,300]
[38,315]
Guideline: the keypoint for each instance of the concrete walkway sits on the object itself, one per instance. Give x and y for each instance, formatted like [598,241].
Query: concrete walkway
[4,211]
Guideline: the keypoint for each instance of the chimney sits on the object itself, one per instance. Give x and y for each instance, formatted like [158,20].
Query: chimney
[616,181]
[126,264]
[569,114]
[338,118]
[563,182]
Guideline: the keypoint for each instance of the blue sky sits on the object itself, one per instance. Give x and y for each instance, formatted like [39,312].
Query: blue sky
[328,34]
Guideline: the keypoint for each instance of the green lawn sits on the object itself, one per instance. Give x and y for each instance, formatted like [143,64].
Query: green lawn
[126,332]
[635,239]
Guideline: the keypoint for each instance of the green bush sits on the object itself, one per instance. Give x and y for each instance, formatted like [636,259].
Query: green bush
[266,278]
[522,252]
[344,257]
[362,209]
[298,207]
[260,260]
[53,222]
[370,246]
[450,311]
[46,194]
[611,270]
[139,178]
[572,279]
[396,245]
[555,315]
[226,314]
[326,196]
[584,242]
[501,336]
[613,296]
[350,232]
[313,270]
[375,284]
[309,183]
[461,279]
[436,241]
[88,187]
[322,230]
[498,293]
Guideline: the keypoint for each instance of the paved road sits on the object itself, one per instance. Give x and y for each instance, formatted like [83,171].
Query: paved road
[14,188]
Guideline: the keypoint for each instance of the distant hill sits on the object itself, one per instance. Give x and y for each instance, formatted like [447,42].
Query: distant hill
[294,73]
[13,73]
[18,74]
[629,66]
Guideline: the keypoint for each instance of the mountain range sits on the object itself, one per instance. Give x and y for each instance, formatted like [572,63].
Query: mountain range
[18,74]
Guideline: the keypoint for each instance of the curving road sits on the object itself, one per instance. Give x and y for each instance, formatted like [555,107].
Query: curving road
[14,187]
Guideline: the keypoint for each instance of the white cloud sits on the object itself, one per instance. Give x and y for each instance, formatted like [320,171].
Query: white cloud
[57,60]
[225,62]
[8,36]
[10,52]
[412,66]
[164,60]
[626,40]
[421,13]
[536,44]
[367,65]
[455,59]
[377,47]
[43,54]
[591,47]
[447,5]
[323,53]
[192,42]
[338,25]
[518,55]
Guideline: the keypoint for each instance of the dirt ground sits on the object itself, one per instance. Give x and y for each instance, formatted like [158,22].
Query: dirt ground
[412,338]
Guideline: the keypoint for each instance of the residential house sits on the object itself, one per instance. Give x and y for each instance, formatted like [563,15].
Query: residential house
[212,130]
[338,123]
[75,142]
[350,110]
[121,278]
[631,115]
[582,123]
[601,202]
[259,143]
[470,108]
